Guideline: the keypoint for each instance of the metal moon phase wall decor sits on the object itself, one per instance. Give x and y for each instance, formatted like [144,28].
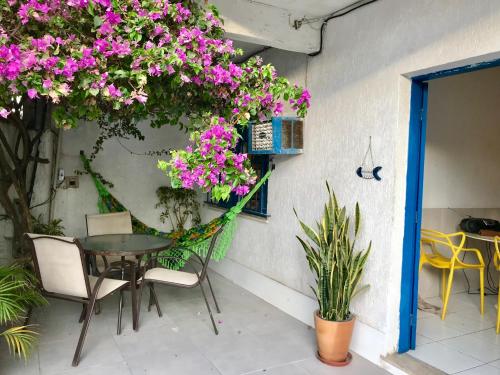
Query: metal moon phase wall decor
[369,171]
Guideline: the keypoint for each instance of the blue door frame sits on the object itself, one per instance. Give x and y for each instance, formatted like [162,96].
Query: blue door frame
[414,194]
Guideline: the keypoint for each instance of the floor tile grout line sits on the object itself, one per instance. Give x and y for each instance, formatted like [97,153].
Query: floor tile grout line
[38,360]
[458,351]
[465,334]
[278,365]
[472,368]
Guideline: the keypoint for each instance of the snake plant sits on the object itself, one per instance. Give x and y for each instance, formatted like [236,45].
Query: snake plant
[331,254]
[17,294]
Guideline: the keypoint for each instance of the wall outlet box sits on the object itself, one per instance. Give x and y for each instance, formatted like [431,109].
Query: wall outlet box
[71,182]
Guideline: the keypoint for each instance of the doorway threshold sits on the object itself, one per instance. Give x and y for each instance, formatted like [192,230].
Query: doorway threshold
[406,364]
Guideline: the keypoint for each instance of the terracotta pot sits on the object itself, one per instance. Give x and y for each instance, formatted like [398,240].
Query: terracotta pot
[334,339]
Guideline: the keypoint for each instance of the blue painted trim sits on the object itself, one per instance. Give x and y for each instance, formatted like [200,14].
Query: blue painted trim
[413,214]
[288,151]
[459,70]
[277,124]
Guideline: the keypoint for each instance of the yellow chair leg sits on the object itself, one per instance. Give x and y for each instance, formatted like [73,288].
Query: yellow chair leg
[443,283]
[447,293]
[481,286]
[498,312]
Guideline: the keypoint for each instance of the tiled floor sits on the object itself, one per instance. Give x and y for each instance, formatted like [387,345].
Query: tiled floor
[255,338]
[465,342]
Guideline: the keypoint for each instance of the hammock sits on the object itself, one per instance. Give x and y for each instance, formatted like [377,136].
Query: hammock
[196,239]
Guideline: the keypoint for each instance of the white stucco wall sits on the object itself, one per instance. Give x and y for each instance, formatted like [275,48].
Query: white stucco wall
[461,155]
[360,89]
[135,177]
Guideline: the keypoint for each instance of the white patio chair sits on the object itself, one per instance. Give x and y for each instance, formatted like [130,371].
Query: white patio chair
[60,268]
[152,273]
[111,223]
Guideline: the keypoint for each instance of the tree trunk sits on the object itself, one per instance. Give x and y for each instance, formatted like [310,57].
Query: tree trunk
[19,141]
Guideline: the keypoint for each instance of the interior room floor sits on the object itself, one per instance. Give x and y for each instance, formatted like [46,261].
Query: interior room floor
[465,342]
[255,338]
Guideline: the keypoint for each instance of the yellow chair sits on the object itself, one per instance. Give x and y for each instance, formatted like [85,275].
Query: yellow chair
[434,240]
[496,261]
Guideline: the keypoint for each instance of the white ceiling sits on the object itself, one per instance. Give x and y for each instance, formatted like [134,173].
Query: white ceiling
[270,22]
[309,7]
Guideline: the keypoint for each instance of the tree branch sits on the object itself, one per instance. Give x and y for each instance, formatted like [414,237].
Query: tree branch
[6,145]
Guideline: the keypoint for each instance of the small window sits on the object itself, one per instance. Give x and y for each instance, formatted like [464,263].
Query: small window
[258,204]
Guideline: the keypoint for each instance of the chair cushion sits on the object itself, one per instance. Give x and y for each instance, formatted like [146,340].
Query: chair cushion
[108,285]
[171,276]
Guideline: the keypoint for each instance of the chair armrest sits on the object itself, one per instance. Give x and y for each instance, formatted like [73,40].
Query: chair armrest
[476,251]
[107,271]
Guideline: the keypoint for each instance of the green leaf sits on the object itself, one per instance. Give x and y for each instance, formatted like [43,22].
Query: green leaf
[162,165]
[20,340]
[97,21]
[357,220]
[142,79]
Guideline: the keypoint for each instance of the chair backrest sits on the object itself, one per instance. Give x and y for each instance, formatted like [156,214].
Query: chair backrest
[213,242]
[59,264]
[113,223]
[436,239]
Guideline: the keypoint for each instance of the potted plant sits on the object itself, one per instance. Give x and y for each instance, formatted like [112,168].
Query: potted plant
[331,254]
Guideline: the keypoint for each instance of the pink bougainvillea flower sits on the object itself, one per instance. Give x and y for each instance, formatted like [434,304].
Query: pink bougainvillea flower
[4,113]
[106,28]
[113,91]
[104,3]
[113,18]
[278,109]
[32,93]
[241,190]
[101,45]
[170,69]
[47,83]
[185,78]
[305,97]
[155,70]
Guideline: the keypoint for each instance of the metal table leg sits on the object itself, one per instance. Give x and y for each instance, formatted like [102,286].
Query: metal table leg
[120,303]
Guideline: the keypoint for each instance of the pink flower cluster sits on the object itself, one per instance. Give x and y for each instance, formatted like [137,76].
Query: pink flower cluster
[304,99]
[161,60]
[59,58]
[216,161]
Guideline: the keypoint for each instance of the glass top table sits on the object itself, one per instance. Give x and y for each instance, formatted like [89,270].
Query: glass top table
[124,244]
[479,237]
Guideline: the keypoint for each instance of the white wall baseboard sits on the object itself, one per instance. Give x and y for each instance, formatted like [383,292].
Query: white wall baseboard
[367,341]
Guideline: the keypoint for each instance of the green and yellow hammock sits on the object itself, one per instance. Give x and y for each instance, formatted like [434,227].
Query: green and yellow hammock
[196,239]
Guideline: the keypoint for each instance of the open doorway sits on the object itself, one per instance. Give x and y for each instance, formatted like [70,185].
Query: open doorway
[456,159]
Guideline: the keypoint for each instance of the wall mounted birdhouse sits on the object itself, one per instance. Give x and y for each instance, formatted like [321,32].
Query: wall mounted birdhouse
[280,136]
